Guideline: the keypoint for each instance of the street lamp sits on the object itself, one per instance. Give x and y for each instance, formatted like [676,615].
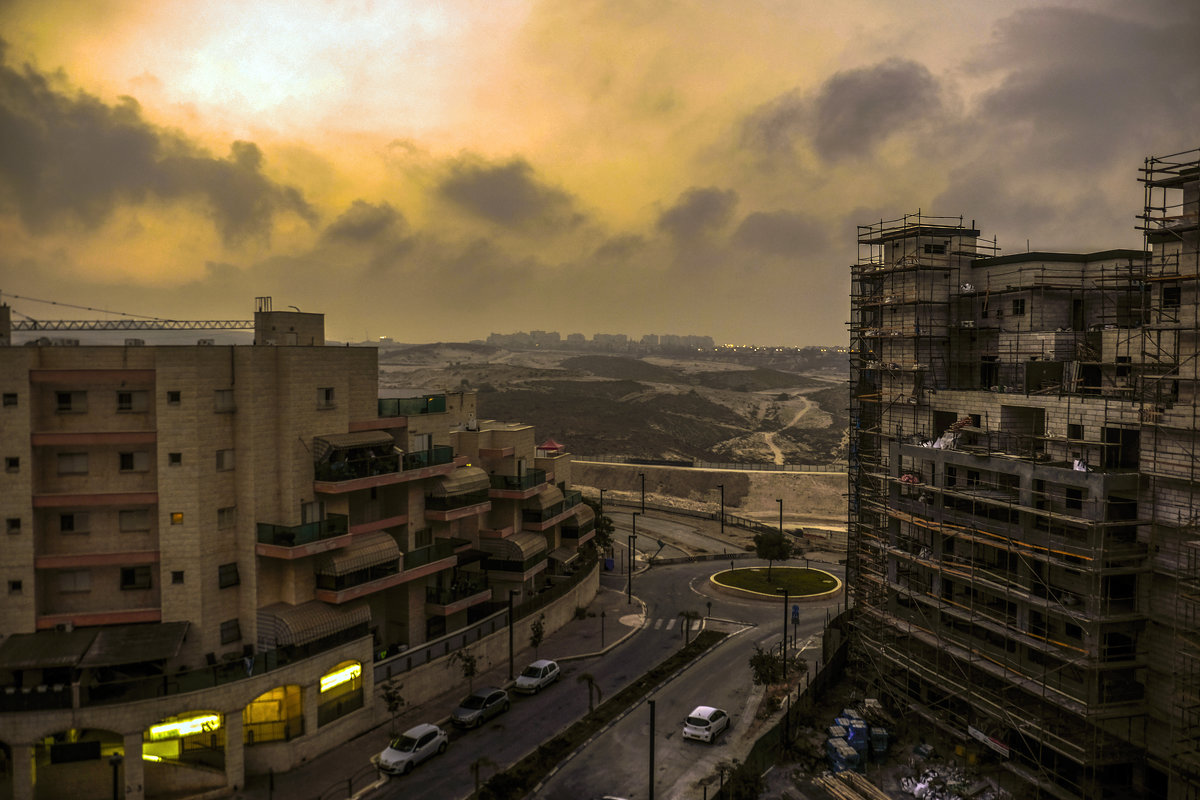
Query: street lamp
[642,475]
[629,556]
[721,486]
[651,702]
[511,592]
[115,761]
[602,502]
[780,501]
[786,602]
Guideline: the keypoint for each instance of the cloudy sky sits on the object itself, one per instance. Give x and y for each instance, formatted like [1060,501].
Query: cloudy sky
[437,171]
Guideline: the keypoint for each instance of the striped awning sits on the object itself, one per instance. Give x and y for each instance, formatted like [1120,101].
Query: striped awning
[282,624]
[564,555]
[324,445]
[518,547]
[544,499]
[584,514]
[462,481]
[364,551]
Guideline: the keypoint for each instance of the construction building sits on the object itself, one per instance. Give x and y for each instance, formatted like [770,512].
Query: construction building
[209,550]
[1024,548]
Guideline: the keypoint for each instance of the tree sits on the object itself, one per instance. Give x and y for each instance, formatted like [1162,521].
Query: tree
[590,679]
[688,618]
[537,633]
[766,666]
[477,765]
[772,546]
[604,528]
[468,663]
[389,690]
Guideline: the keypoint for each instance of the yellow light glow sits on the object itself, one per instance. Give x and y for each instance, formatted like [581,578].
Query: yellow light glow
[343,675]
[185,727]
[148,757]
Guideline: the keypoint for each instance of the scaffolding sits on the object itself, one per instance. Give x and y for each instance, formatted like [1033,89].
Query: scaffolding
[1022,457]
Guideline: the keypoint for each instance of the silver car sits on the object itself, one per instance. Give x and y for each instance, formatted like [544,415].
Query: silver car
[412,747]
[536,676]
[480,706]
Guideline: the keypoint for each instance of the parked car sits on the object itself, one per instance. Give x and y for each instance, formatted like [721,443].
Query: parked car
[705,723]
[536,676]
[412,747]
[480,706]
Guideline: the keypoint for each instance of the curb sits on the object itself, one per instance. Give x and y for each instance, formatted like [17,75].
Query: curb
[630,632]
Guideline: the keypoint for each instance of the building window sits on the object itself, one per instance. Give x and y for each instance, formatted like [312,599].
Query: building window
[174,397]
[174,459]
[1074,431]
[70,402]
[1074,499]
[75,580]
[223,401]
[227,517]
[227,575]
[1018,307]
[134,462]
[224,460]
[12,525]
[935,249]
[1123,366]
[14,587]
[1073,631]
[10,399]
[231,632]
[73,522]
[176,517]
[135,577]
[72,463]
[177,576]
[325,397]
[134,520]
[12,464]
[132,401]
[1171,296]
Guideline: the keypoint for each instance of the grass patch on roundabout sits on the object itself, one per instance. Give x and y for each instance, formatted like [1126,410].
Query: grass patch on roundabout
[799,581]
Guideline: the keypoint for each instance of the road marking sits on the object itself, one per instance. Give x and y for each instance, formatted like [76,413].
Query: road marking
[671,623]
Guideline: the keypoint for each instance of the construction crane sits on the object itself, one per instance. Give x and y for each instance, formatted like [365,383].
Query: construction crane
[126,322]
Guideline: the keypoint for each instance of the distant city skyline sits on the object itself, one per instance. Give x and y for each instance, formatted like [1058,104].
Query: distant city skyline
[437,171]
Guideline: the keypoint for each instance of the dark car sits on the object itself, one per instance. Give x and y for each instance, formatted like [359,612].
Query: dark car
[480,706]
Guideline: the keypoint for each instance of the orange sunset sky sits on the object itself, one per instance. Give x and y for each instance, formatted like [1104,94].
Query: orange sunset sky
[440,171]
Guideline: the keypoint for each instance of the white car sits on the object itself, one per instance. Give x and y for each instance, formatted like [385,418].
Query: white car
[536,676]
[412,747]
[705,723]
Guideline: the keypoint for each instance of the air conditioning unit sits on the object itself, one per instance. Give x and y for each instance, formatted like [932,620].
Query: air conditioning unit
[205,341]
[135,342]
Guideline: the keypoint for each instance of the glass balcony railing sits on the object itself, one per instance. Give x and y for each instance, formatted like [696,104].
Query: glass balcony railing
[571,498]
[572,531]
[438,454]
[457,501]
[352,469]
[293,535]
[412,406]
[424,555]
[530,479]
[460,591]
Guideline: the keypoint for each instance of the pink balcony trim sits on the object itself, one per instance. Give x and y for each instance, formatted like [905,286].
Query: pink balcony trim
[550,523]
[515,494]
[458,605]
[478,509]
[301,551]
[94,437]
[81,619]
[381,424]
[99,499]
[78,377]
[388,479]
[496,533]
[379,524]
[363,589]
[65,560]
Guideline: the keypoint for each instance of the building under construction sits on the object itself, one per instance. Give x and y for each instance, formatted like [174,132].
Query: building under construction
[1024,547]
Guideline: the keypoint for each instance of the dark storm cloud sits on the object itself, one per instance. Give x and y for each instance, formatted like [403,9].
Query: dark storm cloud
[365,222]
[857,109]
[65,155]
[772,127]
[782,233]
[508,194]
[621,247]
[698,212]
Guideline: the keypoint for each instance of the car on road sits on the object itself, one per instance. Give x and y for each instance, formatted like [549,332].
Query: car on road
[536,676]
[480,706]
[705,724]
[412,747]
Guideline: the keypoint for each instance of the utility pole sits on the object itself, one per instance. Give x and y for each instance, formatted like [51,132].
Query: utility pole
[632,544]
[642,475]
[511,592]
[651,702]
[721,486]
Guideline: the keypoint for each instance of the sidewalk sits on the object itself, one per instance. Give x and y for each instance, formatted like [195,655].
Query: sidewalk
[579,638]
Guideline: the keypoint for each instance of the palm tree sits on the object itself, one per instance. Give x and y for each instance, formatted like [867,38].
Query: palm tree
[590,679]
[688,618]
[477,765]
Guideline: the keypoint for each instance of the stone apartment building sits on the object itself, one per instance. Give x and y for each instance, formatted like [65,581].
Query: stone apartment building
[208,550]
[1024,551]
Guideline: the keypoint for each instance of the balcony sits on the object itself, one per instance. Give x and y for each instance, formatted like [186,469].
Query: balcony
[551,510]
[517,487]
[298,541]
[411,406]
[444,509]
[337,477]
[463,595]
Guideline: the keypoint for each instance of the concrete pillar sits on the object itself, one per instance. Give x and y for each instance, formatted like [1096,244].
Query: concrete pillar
[310,705]
[235,752]
[23,772]
[134,767]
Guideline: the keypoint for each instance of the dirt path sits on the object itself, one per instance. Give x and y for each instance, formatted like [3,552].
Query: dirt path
[769,436]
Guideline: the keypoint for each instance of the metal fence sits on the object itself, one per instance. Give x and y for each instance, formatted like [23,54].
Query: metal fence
[695,464]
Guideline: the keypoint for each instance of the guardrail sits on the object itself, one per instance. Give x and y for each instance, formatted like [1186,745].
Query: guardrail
[696,464]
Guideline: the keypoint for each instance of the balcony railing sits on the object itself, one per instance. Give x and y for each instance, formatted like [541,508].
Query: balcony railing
[412,406]
[454,502]
[348,580]
[571,498]
[460,591]
[352,469]
[438,454]
[425,555]
[293,535]
[531,478]
[576,531]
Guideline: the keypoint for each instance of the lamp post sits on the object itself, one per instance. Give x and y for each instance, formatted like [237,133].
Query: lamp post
[602,502]
[780,501]
[651,702]
[642,475]
[632,543]
[511,592]
[601,632]
[786,602]
[721,486]
[115,761]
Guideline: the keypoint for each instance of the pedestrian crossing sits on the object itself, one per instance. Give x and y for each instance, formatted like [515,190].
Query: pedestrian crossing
[667,624]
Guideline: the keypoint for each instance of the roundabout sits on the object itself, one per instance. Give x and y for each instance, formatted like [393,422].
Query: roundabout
[800,583]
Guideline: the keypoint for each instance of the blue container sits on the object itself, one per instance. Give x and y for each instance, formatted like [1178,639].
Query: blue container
[879,742]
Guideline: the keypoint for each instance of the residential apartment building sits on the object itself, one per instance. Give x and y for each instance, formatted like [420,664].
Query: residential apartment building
[1024,551]
[209,549]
